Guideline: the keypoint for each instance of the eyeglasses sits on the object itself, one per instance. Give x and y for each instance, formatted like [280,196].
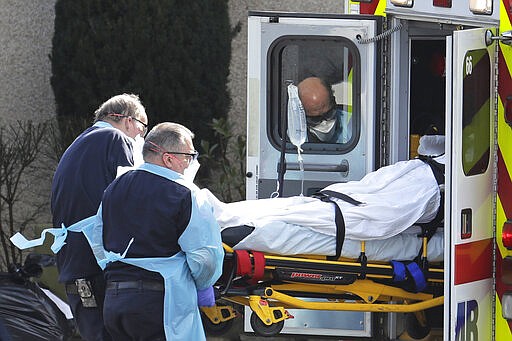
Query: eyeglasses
[193,155]
[144,125]
[157,149]
[328,115]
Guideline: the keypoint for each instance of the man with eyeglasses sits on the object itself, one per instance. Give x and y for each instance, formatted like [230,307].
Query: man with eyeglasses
[86,168]
[158,220]
[325,121]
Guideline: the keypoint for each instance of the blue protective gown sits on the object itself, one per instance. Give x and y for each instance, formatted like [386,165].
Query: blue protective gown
[196,266]
[343,129]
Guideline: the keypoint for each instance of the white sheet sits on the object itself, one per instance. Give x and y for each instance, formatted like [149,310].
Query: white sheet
[294,239]
[395,197]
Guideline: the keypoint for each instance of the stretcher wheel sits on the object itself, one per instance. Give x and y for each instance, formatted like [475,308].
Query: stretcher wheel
[415,329]
[216,329]
[262,329]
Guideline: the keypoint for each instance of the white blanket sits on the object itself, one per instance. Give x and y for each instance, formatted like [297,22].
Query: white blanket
[302,240]
[395,197]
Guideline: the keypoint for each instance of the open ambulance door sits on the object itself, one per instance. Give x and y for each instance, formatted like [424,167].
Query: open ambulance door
[469,186]
[285,48]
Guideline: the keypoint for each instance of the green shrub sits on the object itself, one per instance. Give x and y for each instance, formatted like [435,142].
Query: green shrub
[174,54]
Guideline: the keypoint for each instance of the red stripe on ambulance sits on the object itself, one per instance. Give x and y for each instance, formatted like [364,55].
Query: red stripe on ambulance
[505,83]
[368,8]
[473,261]
[504,186]
[508,8]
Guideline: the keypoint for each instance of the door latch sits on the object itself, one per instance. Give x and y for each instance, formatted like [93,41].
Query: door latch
[505,37]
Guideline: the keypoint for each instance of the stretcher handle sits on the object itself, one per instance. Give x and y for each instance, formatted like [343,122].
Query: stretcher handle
[317,167]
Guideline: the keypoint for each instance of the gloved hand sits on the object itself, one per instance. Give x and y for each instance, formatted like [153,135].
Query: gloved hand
[206,297]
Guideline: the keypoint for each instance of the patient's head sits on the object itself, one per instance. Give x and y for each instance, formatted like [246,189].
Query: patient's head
[431,145]
[319,104]
[316,97]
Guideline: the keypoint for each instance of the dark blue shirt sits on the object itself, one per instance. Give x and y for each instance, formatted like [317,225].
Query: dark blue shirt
[149,208]
[87,167]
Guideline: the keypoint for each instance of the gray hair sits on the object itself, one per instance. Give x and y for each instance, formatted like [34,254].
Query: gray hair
[120,105]
[166,136]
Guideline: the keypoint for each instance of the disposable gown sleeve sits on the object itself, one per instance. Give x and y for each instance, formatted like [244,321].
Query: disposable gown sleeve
[201,243]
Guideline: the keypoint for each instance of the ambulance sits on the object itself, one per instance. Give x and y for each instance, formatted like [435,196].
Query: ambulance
[400,69]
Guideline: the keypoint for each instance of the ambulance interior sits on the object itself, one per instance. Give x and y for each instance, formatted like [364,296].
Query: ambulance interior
[427,101]
[427,89]
[421,112]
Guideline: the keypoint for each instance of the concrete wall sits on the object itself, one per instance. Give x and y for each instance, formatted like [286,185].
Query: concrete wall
[26,31]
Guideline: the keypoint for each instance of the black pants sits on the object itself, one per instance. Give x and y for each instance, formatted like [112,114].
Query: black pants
[134,314]
[90,320]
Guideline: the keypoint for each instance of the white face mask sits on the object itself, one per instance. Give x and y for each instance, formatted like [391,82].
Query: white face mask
[137,144]
[324,130]
[190,172]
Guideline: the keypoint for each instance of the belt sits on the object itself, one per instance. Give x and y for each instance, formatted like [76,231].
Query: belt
[147,285]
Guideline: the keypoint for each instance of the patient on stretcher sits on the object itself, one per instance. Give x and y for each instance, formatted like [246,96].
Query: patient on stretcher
[391,201]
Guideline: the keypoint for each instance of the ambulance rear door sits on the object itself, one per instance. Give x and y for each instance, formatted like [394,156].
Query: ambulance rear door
[469,186]
[285,48]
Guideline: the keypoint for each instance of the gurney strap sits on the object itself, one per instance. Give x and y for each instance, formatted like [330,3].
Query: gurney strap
[417,276]
[259,267]
[342,196]
[340,230]
[438,168]
[246,268]
[338,218]
[411,273]
[243,263]
[428,229]
[399,274]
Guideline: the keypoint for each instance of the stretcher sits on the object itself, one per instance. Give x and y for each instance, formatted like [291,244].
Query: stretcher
[271,283]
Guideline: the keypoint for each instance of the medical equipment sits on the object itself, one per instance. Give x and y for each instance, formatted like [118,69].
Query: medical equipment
[270,284]
[297,130]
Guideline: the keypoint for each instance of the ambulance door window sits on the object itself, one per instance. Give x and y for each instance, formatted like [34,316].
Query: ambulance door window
[334,60]
[475,112]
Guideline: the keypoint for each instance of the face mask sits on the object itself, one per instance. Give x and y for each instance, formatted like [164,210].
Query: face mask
[137,144]
[324,130]
[190,172]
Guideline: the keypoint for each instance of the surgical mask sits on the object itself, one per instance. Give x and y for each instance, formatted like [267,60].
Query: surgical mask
[324,130]
[190,172]
[138,144]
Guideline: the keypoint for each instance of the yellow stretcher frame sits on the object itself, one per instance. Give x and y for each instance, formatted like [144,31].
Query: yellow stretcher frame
[269,302]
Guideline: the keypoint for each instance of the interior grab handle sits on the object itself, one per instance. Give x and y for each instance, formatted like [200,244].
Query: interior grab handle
[318,167]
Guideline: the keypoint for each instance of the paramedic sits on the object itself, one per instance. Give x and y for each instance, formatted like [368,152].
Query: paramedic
[325,120]
[163,212]
[86,168]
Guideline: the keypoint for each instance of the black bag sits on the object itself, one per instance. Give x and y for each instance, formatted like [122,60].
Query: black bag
[26,312]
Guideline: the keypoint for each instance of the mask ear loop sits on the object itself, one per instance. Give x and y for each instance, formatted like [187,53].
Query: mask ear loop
[156,148]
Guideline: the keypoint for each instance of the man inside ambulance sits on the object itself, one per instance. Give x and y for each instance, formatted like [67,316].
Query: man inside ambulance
[326,122]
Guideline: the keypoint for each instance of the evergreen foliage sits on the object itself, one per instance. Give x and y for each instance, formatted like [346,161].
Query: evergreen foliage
[174,54]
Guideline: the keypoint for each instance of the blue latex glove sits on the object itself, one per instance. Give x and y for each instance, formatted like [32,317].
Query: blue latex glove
[206,297]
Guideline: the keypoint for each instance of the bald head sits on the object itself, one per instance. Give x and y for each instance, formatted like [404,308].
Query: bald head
[315,96]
